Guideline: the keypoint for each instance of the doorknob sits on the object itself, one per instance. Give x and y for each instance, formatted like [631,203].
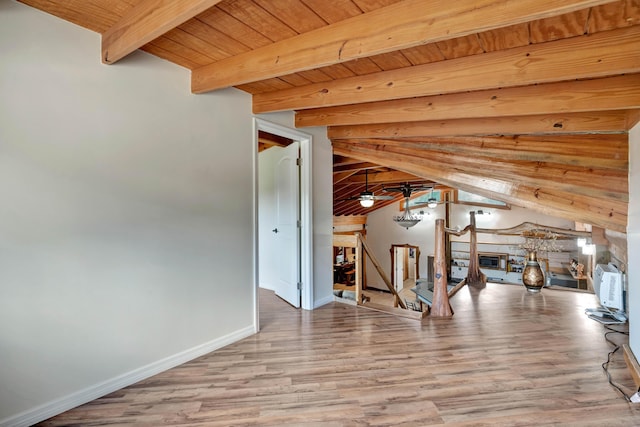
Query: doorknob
[275,230]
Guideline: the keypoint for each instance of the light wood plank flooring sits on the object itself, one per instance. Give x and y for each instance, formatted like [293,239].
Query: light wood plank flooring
[506,358]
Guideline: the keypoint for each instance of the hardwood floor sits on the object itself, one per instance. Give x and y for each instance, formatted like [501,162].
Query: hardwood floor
[506,358]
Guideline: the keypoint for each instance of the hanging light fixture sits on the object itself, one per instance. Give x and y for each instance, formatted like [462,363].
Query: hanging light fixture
[407,219]
[431,201]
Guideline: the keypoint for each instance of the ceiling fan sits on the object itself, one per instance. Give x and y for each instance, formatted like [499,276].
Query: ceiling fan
[367,197]
[406,189]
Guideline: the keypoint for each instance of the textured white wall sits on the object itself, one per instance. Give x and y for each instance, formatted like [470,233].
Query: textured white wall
[119,247]
[633,241]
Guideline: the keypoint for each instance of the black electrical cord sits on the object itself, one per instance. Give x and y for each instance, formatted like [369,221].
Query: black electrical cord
[605,365]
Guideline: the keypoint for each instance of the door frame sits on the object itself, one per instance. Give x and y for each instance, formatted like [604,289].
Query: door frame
[306,210]
[404,246]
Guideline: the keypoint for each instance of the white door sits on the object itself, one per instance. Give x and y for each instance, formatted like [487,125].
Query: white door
[286,231]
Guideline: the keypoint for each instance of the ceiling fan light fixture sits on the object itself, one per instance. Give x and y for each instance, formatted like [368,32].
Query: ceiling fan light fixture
[432,202]
[366,199]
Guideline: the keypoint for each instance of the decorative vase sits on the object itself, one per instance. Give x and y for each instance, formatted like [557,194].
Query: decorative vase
[532,275]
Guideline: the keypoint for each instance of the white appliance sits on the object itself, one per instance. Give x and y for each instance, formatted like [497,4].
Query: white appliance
[608,284]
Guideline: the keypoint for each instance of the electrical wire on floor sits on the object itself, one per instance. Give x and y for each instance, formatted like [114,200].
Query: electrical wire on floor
[605,365]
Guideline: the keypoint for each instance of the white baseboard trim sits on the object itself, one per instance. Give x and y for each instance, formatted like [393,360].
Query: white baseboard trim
[58,406]
[267,286]
[323,301]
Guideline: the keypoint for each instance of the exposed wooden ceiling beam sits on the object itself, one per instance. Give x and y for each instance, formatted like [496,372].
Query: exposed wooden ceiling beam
[594,181]
[338,177]
[390,177]
[541,124]
[609,93]
[608,151]
[405,24]
[610,214]
[633,118]
[353,165]
[602,54]
[148,20]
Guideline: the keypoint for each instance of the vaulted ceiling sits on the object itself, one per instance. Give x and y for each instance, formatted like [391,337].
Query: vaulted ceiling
[524,101]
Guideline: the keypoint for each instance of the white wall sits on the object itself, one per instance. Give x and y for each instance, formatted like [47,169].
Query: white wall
[382,232]
[633,241]
[322,171]
[120,251]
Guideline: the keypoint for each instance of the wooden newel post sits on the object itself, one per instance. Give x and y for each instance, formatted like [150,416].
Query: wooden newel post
[474,275]
[440,306]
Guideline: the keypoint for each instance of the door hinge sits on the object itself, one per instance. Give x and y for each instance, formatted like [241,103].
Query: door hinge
[299,223]
[299,286]
[299,161]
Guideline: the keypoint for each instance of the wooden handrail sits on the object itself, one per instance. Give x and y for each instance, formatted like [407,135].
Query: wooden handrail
[378,267]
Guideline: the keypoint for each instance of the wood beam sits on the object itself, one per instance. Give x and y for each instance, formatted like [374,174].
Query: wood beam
[386,177]
[602,54]
[341,176]
[601,151]
[633,118]
[591,181]
[148,20]
[354,165]
[405,24]
[541,124]
[609,93]
[609,214]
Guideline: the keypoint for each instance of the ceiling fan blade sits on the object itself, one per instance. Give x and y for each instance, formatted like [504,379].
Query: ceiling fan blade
[383,197]
[358,197]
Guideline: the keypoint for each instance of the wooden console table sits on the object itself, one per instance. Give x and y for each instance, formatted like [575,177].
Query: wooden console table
[581,278]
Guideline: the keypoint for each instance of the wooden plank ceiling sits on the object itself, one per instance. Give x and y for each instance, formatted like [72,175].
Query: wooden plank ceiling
[524,101]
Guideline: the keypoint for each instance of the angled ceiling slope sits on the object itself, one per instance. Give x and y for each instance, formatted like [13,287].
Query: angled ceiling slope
[525,101]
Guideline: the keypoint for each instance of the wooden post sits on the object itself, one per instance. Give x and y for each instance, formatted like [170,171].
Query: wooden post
[440,306]
[447,224]
[359,267]
[474,275]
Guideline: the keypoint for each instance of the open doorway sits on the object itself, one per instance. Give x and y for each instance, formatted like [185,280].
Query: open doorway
[288,273]
[404,266]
